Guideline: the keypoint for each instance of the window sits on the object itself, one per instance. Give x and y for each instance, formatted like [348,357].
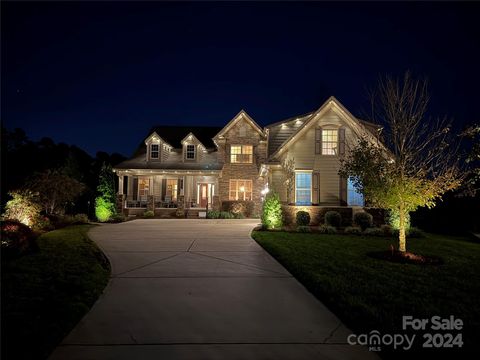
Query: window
[303,188]
[154,151]
[354,198]
[329,142]
[241,154]
[190,152]
[240,190]
[143,187]
[172,187]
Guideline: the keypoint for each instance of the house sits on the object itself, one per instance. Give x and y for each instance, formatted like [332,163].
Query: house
[184,169]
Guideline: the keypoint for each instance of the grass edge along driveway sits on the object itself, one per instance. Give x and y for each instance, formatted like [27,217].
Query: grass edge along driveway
[46,293]
[369,294]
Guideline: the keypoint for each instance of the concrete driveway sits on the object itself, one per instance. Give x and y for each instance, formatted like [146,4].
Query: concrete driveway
[201,289]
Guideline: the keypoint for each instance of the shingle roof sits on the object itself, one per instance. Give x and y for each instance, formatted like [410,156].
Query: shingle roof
[174,162]
[174,135]
[282,130]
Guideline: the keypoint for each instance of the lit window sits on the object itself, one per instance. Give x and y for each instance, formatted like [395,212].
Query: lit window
[172,188]
[143,187]
[329,142]
[303,188]
[241,154]
[354,198]
[154,151]
[190,152]
[240,190]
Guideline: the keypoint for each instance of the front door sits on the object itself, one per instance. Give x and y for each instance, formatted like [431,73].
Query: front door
[203,195]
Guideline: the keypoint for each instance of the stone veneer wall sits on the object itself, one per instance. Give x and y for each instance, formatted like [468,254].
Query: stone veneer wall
[243,171]
[317,214]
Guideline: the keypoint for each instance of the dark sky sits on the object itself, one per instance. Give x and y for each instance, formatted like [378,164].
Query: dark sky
[99,75]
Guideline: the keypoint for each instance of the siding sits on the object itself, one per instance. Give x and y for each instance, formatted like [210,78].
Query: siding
[277,184]
[303,151]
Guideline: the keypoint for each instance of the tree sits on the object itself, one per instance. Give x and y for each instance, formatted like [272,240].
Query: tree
[416,163]
[23,207]
[272,211]
[288,167]
[472,183]
[106,199]
[55,190]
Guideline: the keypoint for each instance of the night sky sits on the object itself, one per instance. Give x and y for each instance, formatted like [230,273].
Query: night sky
[99,75]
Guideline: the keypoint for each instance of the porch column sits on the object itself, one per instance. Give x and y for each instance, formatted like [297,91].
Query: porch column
[120,184]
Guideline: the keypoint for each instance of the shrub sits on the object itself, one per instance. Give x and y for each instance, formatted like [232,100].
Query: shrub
[16,237]
[373,231]
[117,218]
[23,207]
[80,219]
[303,218]
[303,229]
[272,211]
[43,223]
[238,215]
[363,219]
[148,214]
[225,215]
[387,230]
[333,218]
[327,229]
[59,221]
[353,230]
[103,209]
[238,208]
[213,214]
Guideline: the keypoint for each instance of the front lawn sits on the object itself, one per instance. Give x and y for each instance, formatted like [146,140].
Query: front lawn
[45,293]
[369,294]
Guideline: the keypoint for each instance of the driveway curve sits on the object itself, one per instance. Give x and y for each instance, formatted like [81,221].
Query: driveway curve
[201,289]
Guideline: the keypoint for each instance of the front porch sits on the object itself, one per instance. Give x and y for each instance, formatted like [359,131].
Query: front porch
[166,192]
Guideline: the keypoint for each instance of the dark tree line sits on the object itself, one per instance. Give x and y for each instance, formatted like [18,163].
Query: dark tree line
[24,159]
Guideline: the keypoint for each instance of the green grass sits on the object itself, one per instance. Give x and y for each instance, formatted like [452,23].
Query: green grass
[45,293]
[368,294]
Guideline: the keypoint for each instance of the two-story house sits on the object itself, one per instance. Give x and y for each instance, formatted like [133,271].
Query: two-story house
[190,168]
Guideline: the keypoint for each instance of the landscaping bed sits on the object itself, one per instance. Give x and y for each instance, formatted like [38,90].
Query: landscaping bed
[368,294]
[46,292]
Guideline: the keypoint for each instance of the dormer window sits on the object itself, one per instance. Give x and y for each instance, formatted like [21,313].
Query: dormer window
[190,152]
[154,151]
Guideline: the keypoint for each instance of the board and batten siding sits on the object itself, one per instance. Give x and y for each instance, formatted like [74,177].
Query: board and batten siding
[303,151]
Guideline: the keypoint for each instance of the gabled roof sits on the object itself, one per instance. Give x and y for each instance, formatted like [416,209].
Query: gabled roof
[174,135]
[191,136]
[280,131]
[241,115]
[304,123]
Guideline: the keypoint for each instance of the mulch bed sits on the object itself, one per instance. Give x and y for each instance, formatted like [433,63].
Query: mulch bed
[405,257]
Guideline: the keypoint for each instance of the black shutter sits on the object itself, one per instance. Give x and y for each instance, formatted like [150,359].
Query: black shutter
[343,191]
[135,188]
[318,140]
[164,188]
[341,141]
[316,188]
[179,186]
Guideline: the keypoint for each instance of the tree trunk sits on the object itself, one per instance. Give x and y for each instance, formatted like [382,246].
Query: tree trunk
[402,237]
